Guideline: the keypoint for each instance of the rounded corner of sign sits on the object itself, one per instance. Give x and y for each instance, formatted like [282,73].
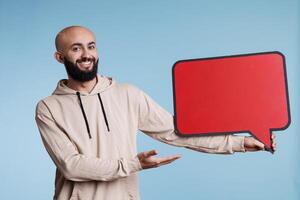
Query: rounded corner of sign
[179,132]
[279,54]
[176,64]
[287,124]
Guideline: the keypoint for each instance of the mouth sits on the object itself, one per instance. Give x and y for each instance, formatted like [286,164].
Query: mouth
[85,65]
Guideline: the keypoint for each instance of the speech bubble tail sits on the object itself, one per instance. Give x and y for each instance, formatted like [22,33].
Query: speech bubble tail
[271,150]
[266,139]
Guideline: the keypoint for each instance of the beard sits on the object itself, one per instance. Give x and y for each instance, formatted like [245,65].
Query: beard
[79,75]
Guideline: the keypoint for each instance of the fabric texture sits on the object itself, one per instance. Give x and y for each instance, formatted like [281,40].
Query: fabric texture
[91,138]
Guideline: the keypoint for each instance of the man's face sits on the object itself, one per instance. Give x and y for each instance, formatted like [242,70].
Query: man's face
[79,53]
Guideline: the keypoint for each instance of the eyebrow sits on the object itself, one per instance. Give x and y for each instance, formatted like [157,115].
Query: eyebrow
[91,43]
[80,44]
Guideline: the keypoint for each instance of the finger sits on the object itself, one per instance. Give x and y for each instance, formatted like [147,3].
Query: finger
[162,161]
[166,159]
[174,156]
[166,162]
[169,157]
[273,137]
[259,145]
[150,153]
[274,145]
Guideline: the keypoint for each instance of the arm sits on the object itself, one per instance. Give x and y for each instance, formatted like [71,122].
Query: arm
[73,165]
[159,124]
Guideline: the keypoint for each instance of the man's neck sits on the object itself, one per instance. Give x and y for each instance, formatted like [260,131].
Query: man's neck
[87,86]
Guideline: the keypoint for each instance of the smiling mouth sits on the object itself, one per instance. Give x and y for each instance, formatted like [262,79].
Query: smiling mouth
[85,65]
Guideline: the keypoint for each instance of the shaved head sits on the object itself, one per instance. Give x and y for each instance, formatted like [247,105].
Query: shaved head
[64,36]
[76,49]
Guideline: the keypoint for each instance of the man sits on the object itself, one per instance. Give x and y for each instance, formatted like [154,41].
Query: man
[89,125]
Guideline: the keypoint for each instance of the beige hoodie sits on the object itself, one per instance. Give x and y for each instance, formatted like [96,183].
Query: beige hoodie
[91,137]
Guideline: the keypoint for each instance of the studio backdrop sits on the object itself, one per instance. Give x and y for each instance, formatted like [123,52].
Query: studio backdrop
[138,43]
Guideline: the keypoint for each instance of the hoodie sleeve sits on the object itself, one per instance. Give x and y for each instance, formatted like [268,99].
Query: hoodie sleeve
[73,165]
[159,124]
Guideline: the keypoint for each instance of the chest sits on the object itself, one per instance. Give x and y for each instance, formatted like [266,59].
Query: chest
[87,126]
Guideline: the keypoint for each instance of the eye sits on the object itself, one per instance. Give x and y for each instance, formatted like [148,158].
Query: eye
[75,48]
[92,47]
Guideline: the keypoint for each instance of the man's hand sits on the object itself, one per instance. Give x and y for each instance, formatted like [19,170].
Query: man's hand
[148,159]
[252,144]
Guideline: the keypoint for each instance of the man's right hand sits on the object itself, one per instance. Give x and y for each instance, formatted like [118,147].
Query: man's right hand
[148,159]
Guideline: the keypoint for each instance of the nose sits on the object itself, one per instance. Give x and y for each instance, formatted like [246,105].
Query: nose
[85,53]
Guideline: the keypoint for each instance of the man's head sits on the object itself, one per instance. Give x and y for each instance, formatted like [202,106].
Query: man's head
[76,49]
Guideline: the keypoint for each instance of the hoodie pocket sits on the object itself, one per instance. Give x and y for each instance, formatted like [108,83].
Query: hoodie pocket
[78,198]
[83,190]
[75,193]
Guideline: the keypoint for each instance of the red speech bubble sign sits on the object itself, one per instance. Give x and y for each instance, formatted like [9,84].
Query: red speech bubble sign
[232,94]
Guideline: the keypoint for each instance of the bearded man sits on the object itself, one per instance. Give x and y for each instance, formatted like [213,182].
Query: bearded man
[90,123]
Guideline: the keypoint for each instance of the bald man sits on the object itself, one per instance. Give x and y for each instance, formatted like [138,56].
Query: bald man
[89,126]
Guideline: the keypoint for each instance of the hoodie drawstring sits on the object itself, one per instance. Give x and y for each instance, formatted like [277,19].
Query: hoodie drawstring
[84,115]
[103,111]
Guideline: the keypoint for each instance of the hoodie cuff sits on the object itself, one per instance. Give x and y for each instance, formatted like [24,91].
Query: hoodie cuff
[238,143]
[135,165]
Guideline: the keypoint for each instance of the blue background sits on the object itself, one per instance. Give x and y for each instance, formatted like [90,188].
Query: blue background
[138,42]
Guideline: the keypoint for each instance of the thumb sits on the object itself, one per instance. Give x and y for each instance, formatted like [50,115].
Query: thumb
[259,145]
[150,153]
[147,154]
[252,144]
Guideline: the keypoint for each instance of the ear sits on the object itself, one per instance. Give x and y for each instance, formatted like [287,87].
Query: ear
[58,56]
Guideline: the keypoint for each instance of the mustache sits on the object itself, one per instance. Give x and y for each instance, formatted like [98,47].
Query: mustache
[86,59]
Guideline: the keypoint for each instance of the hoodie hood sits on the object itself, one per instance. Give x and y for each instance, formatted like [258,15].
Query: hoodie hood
[103,83]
